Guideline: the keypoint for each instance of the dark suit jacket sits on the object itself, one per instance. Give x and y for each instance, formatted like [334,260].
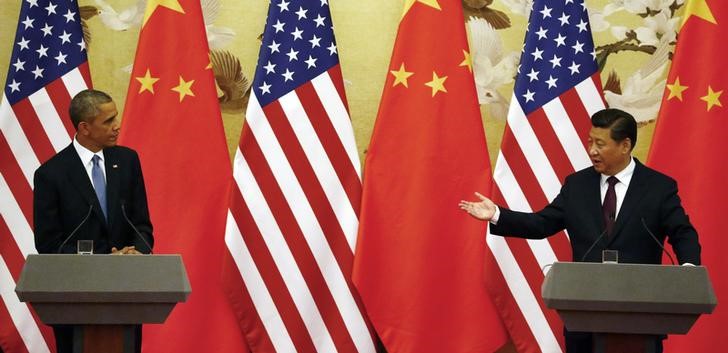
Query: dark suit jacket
[651,196]
[63,195]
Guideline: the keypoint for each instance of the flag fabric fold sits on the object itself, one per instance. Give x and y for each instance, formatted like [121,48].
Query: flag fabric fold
[419,259]
[689,143]
[293,212]
[48,66]
[557,90]
[172,119]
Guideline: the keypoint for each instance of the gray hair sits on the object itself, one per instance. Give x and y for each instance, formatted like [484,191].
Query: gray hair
[84,105]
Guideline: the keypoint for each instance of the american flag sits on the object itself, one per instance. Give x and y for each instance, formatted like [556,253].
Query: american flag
[293,214]
[557,90]
[47,67]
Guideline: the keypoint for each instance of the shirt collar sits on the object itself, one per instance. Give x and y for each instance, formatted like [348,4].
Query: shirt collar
[625,175]
[85,154]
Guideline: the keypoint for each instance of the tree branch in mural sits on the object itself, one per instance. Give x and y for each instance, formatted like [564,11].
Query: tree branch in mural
[627,44]
[641,93]
[233,87]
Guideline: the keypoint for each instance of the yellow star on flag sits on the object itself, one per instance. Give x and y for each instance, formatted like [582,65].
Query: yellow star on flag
[209,65]
[147,82]
[408,5]
[401,76]
[713,98]
[676,89]
[698,8]
[437,84]
[152,6]
[184,88]
[467,61]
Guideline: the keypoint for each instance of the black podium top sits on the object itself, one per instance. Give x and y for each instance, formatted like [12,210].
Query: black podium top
[103,289]
[628,298]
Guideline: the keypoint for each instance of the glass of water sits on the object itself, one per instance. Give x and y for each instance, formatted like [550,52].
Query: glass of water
[85,247]
[610,256]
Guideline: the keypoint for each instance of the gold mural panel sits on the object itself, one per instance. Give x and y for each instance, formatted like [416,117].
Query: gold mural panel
[635,37]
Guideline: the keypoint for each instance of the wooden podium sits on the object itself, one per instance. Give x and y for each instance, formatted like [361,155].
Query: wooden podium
[106,295]
[627,304]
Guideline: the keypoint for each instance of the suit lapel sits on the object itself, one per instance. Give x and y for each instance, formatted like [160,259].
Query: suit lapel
[635,193]
[112,182]
[78,177]
[593,200]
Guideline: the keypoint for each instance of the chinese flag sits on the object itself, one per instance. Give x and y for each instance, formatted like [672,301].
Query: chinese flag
[419,259]
[173,120]
[690,143]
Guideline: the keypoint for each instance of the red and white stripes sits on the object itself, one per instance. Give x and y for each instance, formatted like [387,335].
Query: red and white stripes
[538,152]
[31,131]
[293,221]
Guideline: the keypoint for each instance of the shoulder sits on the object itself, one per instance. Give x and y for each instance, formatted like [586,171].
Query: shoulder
[59,161]
[122,152]
[652,176]
[582,176]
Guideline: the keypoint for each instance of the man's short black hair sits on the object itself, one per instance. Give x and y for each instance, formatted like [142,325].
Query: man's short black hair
[621,124]
[84,105]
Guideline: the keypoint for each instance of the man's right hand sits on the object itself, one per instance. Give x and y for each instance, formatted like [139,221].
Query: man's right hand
[482,210]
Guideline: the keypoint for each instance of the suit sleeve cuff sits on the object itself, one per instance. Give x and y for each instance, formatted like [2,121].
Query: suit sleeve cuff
[496,216]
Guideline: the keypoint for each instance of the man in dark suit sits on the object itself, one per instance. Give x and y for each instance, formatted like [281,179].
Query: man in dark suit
[617,199]
[93,188]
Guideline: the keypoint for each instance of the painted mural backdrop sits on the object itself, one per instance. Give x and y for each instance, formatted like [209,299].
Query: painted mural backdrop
[634,40]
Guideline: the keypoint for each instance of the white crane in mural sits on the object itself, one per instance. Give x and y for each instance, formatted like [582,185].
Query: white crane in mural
[217,37]
[122,20]
[642,92]
[492,67]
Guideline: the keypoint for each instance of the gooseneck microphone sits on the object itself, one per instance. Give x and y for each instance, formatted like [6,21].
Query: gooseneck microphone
[644,224]
[593,245]
[88,214]
[123,212]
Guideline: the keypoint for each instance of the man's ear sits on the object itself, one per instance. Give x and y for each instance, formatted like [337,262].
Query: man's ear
[82,128]
[627,145]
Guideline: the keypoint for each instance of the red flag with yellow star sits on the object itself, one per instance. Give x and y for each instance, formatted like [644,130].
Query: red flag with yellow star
[689,144]
[419,259]
[172,118]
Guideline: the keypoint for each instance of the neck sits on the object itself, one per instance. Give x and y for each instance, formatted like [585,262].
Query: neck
[88,144]
[622,167]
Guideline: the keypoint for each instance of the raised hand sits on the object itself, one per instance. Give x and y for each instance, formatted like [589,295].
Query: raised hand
[483,209]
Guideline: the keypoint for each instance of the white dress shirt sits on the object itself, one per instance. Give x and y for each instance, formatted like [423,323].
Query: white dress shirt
[620,188]
[86,158]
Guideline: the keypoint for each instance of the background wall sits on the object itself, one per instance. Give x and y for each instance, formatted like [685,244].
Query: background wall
[365,33]
[634,39]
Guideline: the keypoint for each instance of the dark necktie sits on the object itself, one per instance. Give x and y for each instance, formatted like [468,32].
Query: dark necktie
[609,207]
[99,183]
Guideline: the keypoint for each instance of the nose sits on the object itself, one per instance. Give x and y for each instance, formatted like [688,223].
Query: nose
[592,150]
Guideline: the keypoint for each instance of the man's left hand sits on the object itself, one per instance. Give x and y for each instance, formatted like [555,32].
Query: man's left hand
[127,250]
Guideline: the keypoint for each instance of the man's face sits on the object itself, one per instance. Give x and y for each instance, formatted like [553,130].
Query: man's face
[609,157]
[103,129]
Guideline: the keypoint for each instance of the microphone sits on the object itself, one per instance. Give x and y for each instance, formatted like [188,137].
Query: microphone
[90,208]
[594,244]
[644,224]
[123,212]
